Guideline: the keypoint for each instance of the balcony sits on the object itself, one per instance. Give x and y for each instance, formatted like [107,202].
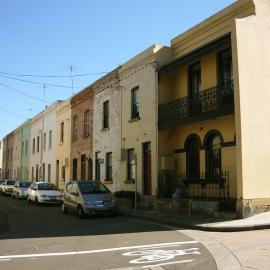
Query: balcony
[207,104]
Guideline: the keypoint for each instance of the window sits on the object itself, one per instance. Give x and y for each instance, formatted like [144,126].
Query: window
[131,165]
[213,155]
[50,139]
[109,166]
[11,150]
[37,143]
[26,147]
[86,123]
[22,150]
[75,128]
[43,171]
[44,141]
[62,132]
[49,172]
[225,70]
[106,114]
[135,103]
[34,145]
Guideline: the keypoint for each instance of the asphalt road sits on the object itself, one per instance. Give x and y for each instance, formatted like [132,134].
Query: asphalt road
[40,237]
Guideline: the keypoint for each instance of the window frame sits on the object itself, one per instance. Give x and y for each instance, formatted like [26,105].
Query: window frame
[75,128]
[62,128]
[86,123]
[135,102]
[105,114]
[131,165]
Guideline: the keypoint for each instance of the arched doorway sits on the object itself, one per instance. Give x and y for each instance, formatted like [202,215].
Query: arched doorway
[213,155]
[192,158]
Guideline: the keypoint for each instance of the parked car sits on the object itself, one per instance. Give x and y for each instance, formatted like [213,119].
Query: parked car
[7,188]
[87,198]
[44,192]
[20,189]
[2,183]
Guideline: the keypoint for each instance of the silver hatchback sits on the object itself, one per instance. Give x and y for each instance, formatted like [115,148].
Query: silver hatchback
[88,198]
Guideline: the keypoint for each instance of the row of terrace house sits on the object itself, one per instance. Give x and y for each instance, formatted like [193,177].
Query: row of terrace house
[191,117]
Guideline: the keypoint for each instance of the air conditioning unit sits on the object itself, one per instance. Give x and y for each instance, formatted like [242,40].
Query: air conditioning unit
[66,162]
[123,154]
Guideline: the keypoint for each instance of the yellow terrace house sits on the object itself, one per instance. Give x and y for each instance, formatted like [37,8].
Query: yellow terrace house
[212,111]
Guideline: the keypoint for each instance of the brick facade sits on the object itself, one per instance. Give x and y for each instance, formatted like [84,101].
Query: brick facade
[81,147]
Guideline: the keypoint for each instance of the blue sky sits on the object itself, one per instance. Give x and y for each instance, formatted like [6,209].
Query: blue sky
[46,37]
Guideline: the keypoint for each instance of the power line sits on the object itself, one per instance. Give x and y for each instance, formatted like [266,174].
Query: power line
[15,114]
[23,93]
[53,76]
[38,83]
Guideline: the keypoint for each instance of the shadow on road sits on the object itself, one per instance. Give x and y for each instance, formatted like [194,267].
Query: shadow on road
[18,219]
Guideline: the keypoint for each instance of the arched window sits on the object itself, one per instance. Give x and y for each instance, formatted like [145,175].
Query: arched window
[193,158]
[213,155]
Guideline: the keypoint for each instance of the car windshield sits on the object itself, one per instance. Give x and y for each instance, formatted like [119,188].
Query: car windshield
[92,188]
[10,182]
[24,184]
[47,186]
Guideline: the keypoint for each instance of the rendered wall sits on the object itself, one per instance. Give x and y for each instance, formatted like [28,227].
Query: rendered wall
[252,36]
[63,114]
[108,140]
[17,173]
[36,157]
[25,168]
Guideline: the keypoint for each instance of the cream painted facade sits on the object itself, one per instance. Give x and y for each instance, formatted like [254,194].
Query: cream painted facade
[107,140]
[35,161]
[243,132]
[140,132]
[17,174]
[63,114]
[48,143]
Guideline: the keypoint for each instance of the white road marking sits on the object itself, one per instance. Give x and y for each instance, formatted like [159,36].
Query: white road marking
[157,255]
[152,266]
[36,255]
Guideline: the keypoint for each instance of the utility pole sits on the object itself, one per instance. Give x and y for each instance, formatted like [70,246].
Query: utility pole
[71,75]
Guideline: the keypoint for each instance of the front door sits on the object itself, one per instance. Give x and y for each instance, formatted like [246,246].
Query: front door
[147,173]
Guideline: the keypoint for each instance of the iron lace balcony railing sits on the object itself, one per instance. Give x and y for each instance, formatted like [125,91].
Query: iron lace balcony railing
[207,103]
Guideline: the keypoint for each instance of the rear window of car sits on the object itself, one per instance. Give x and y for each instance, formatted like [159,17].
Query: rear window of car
[47,186]
[24,184]
[92,188]
[10,182]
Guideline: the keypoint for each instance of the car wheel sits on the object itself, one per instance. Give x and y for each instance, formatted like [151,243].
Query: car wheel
[28,199]
[36,201]
[80,212]
[63,209]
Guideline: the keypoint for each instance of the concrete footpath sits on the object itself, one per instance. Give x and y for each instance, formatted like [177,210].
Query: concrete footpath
[203,223]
